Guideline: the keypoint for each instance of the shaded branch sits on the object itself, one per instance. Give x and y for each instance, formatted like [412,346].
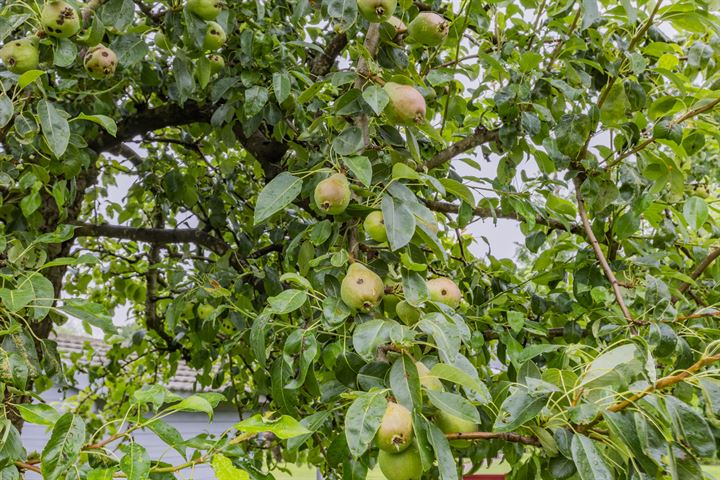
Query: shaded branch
[508,437]
[480,136]
[599,254]
[323,63]
[702,266]
[445,207]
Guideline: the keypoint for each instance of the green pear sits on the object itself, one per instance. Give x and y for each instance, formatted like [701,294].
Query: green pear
[332,195]
[408,314]
[444,290]
[451,424]
[21,55]
[396,430]
[405,465]
[361,289]
[205,9]
[374,226]
[376,11]
[100,62]
[406,105]
[217,62]
[59,19]
[428,28]
[204,311]
[427,379]
[215,37]
[399,25]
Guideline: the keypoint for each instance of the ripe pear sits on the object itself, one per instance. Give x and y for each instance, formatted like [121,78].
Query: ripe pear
[215,37]
[407,313]
[377,11]
[405,465]
[396,431]
[406,105]
[374,226]
[428,380]
[100,62]
[451,424]
[332,195]
[361,289]
[444,290]
[205,9]
[217,62]
[428,28]
[59,19]
[21,55]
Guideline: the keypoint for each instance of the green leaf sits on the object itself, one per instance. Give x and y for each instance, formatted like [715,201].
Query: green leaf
[399,222]
[590,13]
[518,409]
[335,311]
[104,121]
[288,301]
[588,460]
[695,212]
[405,383]
[255,99]
[516,320]
[7,110]
[277,195]
[349,141]
[344,11]
[193,403]
[62,450]
[690,426]
[613,367]
[281,86]
[447,466]
[462,378]
[135,464]
[38,413]
[168,434]
[362,420]
[55,127]
[157,395]
[376,97]
[92,313]
[360,167]
[284,427]
[65,52]
[445,334]
[455,405]
[461,191]
[225,470]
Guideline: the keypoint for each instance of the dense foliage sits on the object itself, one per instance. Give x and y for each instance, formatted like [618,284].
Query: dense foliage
[252,145]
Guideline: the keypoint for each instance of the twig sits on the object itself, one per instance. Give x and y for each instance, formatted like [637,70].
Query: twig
[480,136]
[600,256]
[508,437]
[702,266]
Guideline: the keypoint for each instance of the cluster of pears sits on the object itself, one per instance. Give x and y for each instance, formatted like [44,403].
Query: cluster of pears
[406,105]
[399,458]
[215,36]
[60,20]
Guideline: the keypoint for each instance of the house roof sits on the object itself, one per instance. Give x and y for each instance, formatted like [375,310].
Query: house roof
[184,380]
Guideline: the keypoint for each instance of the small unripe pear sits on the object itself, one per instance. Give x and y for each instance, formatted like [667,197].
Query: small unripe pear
[332,195]
[204,311]
[100,62]
[205,9]
[374,226]
[428,28]
[215,37]
[59,19]
[21,55]
[428,380]
[405,465]
[217,62]
[408,314]
[361,289]
[406,105]
[377,11]
[396,431]
[451,424]
[444,290]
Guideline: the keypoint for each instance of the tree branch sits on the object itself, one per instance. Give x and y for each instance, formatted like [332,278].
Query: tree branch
[372,40]
[599,254]
[324,62]
[445,207]
[508,437]
[702,266]
[480,136]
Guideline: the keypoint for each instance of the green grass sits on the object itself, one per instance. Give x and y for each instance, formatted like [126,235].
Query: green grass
[305,473]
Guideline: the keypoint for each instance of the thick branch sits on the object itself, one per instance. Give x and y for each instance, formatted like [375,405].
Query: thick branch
[323,63]
[508,437]
[372,40]
[702,266]
[444,207]
[599,253]
[480,136]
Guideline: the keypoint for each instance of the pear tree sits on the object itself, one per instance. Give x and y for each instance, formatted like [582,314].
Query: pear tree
[399,238]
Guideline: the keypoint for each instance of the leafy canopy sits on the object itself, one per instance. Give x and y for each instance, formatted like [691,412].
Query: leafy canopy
[163,167]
